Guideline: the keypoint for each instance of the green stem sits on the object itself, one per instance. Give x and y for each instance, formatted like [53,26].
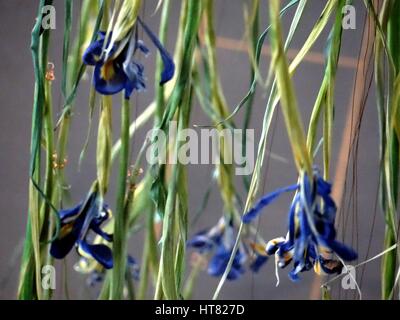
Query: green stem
[47,218]
[253,35]
[191,281]
[391,155]
[68,5]
[120,227]
[294,126]
[167,286]
[159,90]
[145,266]
[218,103]
[104,145]
[30,279]
[105,290]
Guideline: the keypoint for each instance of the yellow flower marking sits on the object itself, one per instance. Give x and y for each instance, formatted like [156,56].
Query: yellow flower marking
[258,248]
[107,70]
[65,230]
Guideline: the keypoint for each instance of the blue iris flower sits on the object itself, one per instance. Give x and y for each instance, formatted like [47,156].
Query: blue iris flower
[311,238]
[119,70]
[205,241]
[75,226]
[219,242]
[220,260]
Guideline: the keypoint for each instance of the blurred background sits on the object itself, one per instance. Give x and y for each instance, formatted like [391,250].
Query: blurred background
[360,222]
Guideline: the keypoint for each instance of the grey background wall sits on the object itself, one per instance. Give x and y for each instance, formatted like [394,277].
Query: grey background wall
[16,92]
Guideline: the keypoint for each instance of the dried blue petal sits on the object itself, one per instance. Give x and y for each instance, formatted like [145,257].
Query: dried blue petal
[256,265]
[264,201]
[142,47]
[100,252]
[92,54]
[219,262]
[168,63]
[69,213]
[68,236]
[343,251]
[136,79]
[106,236]
[201,241]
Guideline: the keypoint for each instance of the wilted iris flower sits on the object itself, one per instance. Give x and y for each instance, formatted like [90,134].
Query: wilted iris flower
[75,226]
[219,262]
[96,272]
[206,240]
[118,68]
[218,242]
[311,238]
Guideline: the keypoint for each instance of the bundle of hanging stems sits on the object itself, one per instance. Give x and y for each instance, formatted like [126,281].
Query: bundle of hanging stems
[111,39]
